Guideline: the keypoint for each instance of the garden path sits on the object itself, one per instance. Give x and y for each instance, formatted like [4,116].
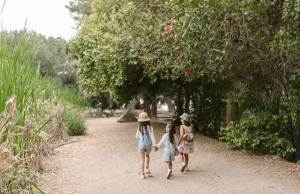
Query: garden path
[106,160]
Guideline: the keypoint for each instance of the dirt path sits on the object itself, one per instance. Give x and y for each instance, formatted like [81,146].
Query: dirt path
[106,161]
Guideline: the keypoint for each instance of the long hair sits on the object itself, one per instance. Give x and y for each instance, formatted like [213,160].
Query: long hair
[172,132]
[144,127]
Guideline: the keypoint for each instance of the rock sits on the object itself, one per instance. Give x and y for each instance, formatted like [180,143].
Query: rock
[127,117]
[107,113]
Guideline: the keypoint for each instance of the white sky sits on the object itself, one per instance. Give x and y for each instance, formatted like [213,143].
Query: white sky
[48,17]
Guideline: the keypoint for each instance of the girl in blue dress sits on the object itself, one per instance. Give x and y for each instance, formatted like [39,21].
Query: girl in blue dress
[169,141]
[146,140]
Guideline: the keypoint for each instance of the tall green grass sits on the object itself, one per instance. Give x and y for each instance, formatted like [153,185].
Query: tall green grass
[18,74]
[54,91]
[36,98]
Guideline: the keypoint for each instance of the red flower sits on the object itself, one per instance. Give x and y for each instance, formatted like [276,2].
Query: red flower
[187,71]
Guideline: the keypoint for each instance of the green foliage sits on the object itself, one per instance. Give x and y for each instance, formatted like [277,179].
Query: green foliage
[288,37]
[203,53]
[19,75]
[53,90]
[31,119]
[50,53]
[80,8]
[74,123]
[266,134]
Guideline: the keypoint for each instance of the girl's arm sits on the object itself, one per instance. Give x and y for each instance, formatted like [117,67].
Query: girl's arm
[152,136]
[137,134]
[162,140]
[182,135]
[175,140]
[181,131]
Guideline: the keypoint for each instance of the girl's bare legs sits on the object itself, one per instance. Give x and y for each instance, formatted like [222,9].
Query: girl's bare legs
[147,160]
[148,164]
[186,159]
[169,166]
[182,158]
[185,162]
[142,164]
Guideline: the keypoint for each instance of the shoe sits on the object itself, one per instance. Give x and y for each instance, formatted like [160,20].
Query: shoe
[186,169]
[148,173]
[143,176]
[169,174]
[183,168]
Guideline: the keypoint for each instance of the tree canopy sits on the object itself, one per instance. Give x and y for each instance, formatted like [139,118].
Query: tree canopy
[218,58]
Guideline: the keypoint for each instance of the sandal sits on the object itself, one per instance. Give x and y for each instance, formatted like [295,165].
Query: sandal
[143,176]
[169,174]
[186,169]
[148,173]
[183,168]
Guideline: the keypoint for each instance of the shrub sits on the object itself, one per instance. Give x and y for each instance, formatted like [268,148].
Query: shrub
[74,123]
[261,133]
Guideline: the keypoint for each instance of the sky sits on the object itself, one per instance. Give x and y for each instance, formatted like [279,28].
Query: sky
[48,17]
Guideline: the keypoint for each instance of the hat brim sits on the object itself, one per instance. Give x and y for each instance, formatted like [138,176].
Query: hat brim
[143,120]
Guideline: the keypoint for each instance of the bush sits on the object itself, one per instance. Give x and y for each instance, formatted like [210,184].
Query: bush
[74,123]
[261,133]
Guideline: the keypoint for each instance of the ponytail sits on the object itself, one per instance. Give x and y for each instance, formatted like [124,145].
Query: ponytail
[172,132]
[144,127]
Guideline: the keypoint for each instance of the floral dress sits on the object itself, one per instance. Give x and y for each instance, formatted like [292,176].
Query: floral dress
[186,145]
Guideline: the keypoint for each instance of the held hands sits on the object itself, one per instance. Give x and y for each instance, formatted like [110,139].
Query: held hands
[156,148]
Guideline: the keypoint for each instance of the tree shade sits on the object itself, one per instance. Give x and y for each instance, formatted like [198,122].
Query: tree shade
[215,58]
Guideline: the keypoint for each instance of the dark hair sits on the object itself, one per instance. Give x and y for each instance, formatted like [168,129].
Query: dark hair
[144,125]
[172,131]
[186,123]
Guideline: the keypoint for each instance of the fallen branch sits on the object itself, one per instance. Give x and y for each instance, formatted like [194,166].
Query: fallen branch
[65,143]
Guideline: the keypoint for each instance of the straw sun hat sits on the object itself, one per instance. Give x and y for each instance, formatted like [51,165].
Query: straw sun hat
[143,117]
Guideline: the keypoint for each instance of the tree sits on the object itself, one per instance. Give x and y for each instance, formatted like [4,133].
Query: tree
[203,53]
[80,9]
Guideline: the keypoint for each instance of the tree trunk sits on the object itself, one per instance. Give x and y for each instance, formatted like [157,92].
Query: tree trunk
[171,106]
[196,110]
[187,101]
[230,110]
[154,108]
[146,106]
[297,134]
[179,104]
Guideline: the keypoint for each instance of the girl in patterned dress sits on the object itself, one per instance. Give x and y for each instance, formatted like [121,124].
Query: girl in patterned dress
[185,146]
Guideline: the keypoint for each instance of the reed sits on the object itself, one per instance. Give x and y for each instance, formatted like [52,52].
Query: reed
[30,118]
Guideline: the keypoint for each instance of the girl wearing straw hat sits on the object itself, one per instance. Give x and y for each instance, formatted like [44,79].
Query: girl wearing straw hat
[146,138]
